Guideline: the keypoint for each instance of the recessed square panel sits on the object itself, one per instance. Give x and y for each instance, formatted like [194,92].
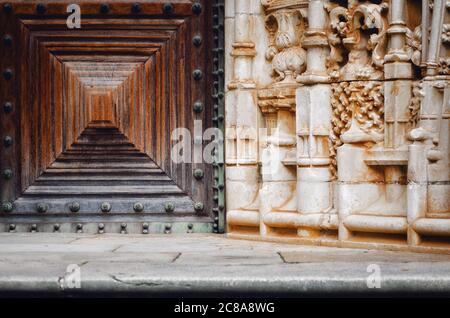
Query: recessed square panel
[95,110]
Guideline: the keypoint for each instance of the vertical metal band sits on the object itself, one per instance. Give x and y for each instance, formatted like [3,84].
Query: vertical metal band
[219,112]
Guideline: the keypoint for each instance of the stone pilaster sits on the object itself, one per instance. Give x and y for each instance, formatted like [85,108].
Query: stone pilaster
[241,113]
[314,177]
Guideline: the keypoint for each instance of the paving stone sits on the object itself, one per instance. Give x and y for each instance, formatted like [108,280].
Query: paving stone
[155,265]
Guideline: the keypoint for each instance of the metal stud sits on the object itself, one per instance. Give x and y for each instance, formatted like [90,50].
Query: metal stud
[198,174]
[7,8]
[145,228]
[197,40]
[197,74]
[7,107]
[7,174]
[169,207]
[199,206]
[167,8]
[79,228]
[197,8]
[12,228]
[56,228]
[101,228]
[40,8]
[138,207]
[123,228]
[219,72]
[74,207]
[7,207]
[198,107]
[41,207]
[167,228]
[7,40]
[7,141]
[105,207]
[136,8]
[33,228]
[104,8]
[8,74]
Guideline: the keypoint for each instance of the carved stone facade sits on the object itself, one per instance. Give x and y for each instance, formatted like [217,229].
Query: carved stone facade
[337,122]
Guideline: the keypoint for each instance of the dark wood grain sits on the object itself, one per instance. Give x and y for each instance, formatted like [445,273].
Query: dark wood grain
[94,107]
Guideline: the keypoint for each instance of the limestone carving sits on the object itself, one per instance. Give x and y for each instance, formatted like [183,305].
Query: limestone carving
[444,66]
[359,37]
[446,34]
[365,101]
[341,120]
[414,45]
[350,99]
[415,103]
[285,27]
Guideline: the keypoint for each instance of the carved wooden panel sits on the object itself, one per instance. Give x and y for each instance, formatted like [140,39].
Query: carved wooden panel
[90,111]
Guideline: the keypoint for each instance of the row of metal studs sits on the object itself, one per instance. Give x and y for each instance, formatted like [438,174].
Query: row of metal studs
[218,119]
[167,8]
[106,207]
[8,74]
[101,228]
[197,74]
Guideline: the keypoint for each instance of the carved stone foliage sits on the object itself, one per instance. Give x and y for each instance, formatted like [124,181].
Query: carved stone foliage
[341,121]
[446,34]
[415,103]
[414,45]
[444,66]
[358,40]
[358,114]
[285,23]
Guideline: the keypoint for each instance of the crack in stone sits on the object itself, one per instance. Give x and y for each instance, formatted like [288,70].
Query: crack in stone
[282,258]
[136,284]
[116,248]
[176,257]
[74,240]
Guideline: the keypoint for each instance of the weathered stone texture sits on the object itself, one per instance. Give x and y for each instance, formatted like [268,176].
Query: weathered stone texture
[338,122]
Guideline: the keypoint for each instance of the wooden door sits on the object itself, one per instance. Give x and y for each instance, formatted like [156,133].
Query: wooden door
[88,115]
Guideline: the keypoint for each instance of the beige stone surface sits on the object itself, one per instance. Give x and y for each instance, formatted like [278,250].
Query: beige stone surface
[352,102]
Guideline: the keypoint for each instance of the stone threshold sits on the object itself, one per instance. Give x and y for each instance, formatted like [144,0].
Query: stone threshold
[207,265]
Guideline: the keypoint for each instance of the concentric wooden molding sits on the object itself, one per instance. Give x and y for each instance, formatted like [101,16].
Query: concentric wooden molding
[95,108]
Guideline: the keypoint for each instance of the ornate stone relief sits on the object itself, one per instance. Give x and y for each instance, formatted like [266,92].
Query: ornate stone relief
[414,45]
[358,40]
[415,103]
[285,23]
[444,66]
[446,34]
[359,87]
[341,121]
[365,102]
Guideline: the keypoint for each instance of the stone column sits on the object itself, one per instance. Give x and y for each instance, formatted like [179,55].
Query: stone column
[314,186]
[398,75]
[241,111]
